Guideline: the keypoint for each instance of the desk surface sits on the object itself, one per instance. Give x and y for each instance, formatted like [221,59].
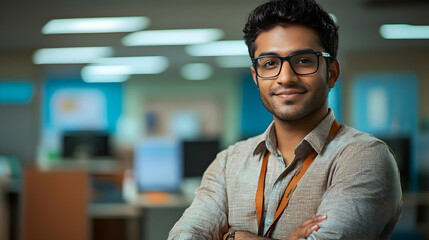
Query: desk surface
[145,201]
[163,200]
[113,210]
[418,198]
[91,166]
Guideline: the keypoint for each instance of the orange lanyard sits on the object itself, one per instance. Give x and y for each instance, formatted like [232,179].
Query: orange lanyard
[290,188]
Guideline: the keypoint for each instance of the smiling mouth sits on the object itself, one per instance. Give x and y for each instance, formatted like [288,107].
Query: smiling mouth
[290,94]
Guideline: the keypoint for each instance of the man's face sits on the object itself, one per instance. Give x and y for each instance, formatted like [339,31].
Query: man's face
[288,96]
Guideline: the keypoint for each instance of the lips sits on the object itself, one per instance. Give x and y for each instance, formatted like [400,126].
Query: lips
[290,93]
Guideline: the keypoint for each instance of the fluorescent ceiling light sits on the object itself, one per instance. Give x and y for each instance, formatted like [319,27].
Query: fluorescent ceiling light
[219,48]
[196,71]
[404,31]
[105,73]
[172,37]
[70,55]
[95,25]
[136,65]
[233,61]
[119,69]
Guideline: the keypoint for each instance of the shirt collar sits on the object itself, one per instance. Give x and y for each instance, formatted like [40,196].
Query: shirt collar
[316,138]
[266,142]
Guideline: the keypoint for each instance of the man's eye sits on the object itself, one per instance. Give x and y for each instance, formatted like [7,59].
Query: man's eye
[304,61]
[270,63]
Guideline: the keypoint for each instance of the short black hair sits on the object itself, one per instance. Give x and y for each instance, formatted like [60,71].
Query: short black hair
[282,12]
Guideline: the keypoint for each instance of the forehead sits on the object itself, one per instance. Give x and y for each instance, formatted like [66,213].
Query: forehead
[283,40]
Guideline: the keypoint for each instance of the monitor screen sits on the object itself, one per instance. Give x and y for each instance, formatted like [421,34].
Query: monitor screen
[401,147]
[158,165]
[198,155]
[86,144]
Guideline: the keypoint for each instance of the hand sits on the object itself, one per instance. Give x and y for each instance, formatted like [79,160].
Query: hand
[307,227]
[242,235]
[229,230]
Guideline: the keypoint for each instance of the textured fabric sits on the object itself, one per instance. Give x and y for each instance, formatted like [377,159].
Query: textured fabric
[354,180]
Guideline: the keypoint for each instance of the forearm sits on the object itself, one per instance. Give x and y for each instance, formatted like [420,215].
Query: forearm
[363,203]
[206,218]
[242,235]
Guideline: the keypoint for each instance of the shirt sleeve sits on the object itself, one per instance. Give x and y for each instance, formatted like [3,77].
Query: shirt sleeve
[363,199]
[206,218]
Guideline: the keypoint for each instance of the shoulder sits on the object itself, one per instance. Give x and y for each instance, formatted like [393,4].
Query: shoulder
[350,140]
[233,158]
[238,155]
[244,147]
[360,151]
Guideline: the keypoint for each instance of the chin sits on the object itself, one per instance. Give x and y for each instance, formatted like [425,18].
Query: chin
[290,114]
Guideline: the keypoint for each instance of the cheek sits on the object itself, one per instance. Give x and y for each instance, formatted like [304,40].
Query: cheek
[319,81]
[264,87]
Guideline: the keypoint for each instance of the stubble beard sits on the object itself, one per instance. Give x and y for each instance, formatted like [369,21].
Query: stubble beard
[290,110]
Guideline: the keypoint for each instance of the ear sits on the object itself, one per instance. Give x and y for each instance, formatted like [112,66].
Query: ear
[255,77]
[334,73]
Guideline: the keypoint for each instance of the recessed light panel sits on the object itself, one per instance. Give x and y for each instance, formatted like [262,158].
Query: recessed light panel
[105,73]
[219,48]
[95,25]
[172,37]
[136,65]
[404,31]
[72,55]
[119,69]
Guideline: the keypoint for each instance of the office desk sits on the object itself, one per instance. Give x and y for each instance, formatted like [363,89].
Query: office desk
[145,219]
[163,200]
[159,217]
[415,214]
[104,217]
[148,219]
[416,199]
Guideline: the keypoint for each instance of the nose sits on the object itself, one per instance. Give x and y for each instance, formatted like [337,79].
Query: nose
[287,76]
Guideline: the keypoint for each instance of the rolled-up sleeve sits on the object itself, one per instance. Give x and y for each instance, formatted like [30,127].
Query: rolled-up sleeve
[364,198]
[206,218]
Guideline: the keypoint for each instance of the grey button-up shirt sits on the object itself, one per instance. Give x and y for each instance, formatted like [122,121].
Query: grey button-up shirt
[354,180]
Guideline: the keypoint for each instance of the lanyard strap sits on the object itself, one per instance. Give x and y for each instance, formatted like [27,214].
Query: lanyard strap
[259,200]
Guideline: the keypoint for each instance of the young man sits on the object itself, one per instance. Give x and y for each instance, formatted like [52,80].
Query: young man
[306,176]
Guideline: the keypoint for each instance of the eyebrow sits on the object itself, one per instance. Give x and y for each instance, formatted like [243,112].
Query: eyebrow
[294,52]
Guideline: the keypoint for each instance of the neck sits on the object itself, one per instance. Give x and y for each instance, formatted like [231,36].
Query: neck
[290,133]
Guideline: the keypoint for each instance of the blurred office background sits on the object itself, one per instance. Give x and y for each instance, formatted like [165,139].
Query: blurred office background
[105,133]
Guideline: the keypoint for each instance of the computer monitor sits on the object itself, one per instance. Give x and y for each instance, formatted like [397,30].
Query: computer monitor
[401,147]
[86,145]
[158,165]
[198,155]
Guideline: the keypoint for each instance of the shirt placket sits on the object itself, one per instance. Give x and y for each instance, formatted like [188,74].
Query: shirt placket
[274,185]
[278,180]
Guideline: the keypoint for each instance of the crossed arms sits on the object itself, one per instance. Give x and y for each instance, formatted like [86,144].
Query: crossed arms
[368,207]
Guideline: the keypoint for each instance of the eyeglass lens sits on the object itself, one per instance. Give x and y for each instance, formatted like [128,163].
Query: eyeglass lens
[304,63]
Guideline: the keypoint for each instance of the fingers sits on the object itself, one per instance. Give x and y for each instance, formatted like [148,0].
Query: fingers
[229,230]
[311,225]
[313,220]
[312,229]
[307,227]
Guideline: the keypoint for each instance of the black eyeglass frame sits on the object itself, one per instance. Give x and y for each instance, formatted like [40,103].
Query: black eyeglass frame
[282,59]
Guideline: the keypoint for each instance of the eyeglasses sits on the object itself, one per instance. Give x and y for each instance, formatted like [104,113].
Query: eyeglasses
[302,63]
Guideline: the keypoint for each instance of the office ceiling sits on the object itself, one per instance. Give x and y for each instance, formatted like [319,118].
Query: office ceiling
[359,20]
